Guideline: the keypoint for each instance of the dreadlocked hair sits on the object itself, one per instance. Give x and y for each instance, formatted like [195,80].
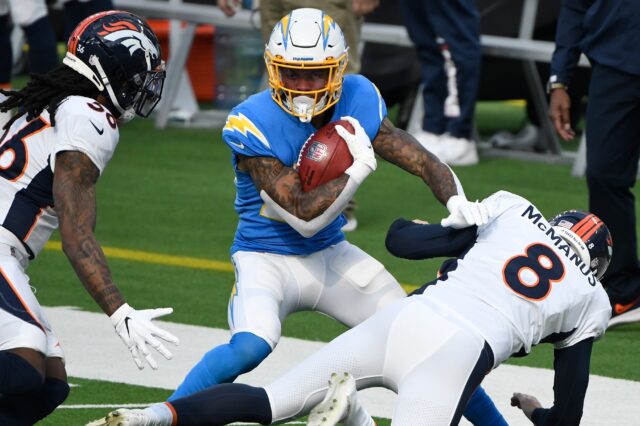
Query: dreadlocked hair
[46,91]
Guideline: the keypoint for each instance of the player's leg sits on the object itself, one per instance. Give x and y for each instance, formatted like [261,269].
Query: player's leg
[254,319]
[31,406]
[356,285]
[32,16]
[437,377]
[32,376]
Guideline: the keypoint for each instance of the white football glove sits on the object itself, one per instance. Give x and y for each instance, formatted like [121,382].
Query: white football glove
[465,213]
[364,159]
[136,331]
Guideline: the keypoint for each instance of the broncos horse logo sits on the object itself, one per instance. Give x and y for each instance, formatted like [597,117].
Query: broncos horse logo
[130,36]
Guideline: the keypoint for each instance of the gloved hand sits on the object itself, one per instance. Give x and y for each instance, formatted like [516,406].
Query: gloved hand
[465,213]
[364,158]
[136,331]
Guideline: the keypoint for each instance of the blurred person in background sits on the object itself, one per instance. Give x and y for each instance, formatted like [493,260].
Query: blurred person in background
[349,16]
[608,33]
[446,34]
[32,17]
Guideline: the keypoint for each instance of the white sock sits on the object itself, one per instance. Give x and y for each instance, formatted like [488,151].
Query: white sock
[161,414]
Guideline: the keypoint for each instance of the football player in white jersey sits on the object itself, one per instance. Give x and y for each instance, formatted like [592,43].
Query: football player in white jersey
[52,152]
[517,281]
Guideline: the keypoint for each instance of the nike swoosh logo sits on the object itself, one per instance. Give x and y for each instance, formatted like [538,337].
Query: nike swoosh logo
[239,145]
[126,324]
[100,131]
[620,308]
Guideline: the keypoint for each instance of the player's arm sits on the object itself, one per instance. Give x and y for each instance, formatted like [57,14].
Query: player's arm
[571,366]
[400,148]
[75,204]
[283,186]
[410,240]
[74,197]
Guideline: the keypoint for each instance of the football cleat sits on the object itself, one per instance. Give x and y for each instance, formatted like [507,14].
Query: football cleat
[125,417]
[623,313]
[340,405]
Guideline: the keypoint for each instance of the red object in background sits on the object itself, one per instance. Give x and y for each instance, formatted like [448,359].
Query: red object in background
[201,61]
[325,156]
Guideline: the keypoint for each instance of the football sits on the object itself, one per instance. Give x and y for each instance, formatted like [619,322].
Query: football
[324,156]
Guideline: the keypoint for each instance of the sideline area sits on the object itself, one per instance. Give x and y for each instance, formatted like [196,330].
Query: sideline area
[94,351]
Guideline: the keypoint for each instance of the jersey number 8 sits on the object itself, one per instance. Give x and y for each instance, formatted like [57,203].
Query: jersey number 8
[532,274]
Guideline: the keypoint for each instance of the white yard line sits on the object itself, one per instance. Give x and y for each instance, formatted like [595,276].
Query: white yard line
[94,351]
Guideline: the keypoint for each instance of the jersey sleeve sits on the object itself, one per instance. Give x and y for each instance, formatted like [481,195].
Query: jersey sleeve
[243,135]
[366,103]
[84,125]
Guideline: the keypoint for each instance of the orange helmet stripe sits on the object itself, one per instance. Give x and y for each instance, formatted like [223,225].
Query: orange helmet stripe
[82,26]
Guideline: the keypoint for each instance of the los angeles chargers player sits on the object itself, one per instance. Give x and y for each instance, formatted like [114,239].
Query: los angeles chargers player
[515,282]
[52,153]
[289,252]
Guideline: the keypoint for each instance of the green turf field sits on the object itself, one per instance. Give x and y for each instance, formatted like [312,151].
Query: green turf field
[171,192]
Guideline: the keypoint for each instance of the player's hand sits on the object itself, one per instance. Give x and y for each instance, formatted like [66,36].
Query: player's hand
[560,113]
[464,213]
[229,7]
[361,150]
[136,331]
[526,403]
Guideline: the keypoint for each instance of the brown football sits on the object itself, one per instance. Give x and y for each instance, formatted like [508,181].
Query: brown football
[325,156]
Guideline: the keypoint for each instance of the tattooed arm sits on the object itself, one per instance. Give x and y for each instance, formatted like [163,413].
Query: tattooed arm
[400,148]
[283,185]
[74,197]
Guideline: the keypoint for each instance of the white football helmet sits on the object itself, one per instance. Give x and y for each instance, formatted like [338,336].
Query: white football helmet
[306,39]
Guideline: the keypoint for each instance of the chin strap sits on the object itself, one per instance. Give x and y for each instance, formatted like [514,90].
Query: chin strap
[101,81]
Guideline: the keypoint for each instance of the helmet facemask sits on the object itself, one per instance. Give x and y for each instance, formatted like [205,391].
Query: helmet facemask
[309,103]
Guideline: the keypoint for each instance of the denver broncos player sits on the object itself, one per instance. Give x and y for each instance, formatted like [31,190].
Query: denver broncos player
[539,284]
[289,252]
[51,155]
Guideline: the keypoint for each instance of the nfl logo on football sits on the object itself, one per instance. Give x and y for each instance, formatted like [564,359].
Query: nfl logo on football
[317,151]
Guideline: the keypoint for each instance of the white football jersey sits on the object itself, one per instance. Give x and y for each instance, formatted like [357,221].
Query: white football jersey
[27,162]
[521,284]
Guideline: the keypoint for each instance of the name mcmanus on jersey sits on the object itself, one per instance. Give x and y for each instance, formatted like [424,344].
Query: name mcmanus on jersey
[536,217]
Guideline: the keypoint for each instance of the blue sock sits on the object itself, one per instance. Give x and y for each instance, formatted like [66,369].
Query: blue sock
[224,363]
[481,411]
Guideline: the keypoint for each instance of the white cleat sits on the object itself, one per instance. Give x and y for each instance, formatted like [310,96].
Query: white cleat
[125,417]
[340,404]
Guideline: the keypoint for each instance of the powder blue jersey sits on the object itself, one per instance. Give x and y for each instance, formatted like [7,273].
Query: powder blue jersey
[259,127]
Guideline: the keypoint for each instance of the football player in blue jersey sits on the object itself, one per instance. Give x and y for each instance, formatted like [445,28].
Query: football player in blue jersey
[289,251]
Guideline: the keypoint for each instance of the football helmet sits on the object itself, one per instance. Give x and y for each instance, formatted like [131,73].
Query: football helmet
[306,39]
[588,236]
[121,56]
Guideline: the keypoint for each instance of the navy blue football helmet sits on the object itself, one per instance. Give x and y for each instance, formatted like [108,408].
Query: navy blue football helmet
[120,54]
[588,236]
